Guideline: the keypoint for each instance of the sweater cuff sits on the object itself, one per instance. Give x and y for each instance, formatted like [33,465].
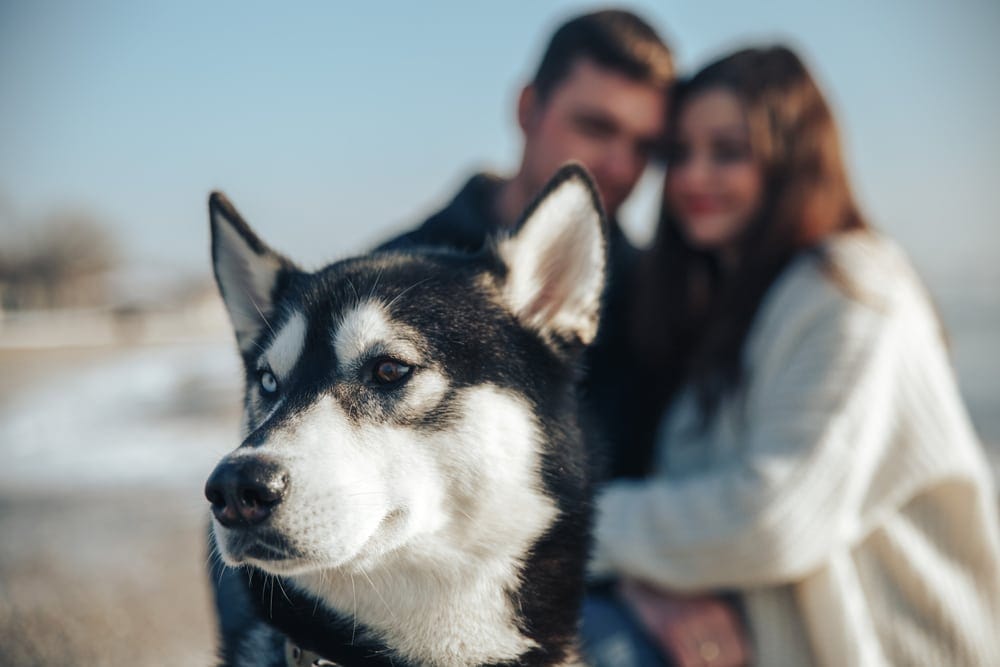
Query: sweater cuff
[607,520]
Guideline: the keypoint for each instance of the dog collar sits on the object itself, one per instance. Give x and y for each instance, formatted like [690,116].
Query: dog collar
[296,656]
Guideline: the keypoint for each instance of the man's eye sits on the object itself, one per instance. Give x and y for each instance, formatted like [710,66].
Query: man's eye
[389,371]
[597,128]
[268,383]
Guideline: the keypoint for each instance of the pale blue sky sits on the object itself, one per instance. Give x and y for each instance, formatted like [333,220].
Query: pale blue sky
[332,124]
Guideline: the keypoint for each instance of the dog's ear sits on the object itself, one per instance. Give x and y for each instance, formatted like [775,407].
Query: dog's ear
[556,259]
[247,270]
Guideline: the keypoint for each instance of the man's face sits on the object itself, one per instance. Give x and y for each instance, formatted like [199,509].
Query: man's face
[599,117]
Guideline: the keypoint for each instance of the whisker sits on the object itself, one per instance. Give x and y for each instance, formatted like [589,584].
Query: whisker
[322,575]
[222,573]
[354,592]
[400,295]
[357,298]
[220,563]
[278,579]
[260,312]
[387,607]
[270,611]
[249,315]
[270,548]
[210,558]
[378,277]
[385,651]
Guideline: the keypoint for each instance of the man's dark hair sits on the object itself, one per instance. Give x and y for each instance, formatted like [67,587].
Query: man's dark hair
[612,38]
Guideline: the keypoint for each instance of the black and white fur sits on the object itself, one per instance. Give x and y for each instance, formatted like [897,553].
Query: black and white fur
[438,519]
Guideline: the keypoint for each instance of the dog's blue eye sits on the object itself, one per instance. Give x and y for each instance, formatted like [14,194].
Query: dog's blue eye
[389,371]
[268,382]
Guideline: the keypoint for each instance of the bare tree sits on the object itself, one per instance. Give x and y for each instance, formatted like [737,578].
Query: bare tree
[62,261]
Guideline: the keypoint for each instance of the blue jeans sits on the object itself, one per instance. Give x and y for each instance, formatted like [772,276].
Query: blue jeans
[611,637]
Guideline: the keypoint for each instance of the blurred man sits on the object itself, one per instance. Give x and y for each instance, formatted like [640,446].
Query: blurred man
[599,97]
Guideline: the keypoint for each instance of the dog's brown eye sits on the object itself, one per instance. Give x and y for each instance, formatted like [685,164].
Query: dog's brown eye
[389,371]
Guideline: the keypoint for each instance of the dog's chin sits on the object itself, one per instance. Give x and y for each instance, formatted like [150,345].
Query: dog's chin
[286,568]
[269,559]
[238,548]
[274,552]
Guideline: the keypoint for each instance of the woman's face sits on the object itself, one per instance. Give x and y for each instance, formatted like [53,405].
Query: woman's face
[714,186]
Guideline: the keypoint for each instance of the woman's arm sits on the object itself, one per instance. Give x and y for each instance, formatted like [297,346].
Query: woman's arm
[817,413]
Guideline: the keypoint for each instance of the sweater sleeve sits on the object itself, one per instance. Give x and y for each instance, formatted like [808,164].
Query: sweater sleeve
[816,412]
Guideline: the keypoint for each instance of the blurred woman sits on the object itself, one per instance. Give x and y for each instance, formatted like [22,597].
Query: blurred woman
[814,458]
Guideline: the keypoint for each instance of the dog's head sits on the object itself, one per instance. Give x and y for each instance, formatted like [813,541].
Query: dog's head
[396,399]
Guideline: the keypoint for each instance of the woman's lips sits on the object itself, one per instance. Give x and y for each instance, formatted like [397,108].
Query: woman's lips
[702,205]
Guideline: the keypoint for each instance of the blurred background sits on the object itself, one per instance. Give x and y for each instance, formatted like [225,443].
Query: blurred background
[331,128]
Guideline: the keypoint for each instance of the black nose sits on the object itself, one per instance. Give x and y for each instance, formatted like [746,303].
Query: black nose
[245,491]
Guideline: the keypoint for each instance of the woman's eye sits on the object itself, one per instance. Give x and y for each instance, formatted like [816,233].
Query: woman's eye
[389,371]
[728,152]
[268,382]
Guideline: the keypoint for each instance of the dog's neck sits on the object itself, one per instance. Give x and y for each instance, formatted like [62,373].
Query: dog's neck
[444,605]
[462,615]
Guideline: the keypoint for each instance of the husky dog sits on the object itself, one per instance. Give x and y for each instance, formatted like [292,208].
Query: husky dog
[411,487]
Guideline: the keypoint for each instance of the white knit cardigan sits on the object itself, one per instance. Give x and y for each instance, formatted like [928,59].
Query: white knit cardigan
[843,494]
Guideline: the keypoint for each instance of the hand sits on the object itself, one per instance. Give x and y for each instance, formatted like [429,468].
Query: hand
[693,630]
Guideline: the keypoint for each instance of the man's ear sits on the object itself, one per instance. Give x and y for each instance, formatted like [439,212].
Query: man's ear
[247,271]
[527,103]
[556,260]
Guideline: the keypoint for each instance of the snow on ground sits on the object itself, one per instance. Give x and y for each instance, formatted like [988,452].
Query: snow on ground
[160,415]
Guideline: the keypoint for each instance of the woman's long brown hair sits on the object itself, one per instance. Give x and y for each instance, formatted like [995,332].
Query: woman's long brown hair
[691,319]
